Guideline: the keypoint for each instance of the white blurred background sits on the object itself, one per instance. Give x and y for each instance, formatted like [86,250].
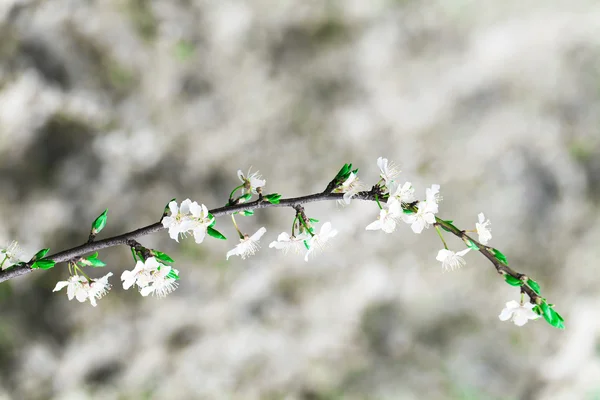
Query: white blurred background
[125,104]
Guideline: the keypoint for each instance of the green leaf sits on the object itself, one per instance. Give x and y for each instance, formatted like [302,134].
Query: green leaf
[406,211]
[449,222]
[40,254]
[273,198]
[306,245]
[162,256]
[313,220]
[215,233]
[94,262]
[167,209]
[246,196]
[511,280]
[500,257]
[471,245]
[533,285]
[43,264]
[100,222]
[343,171]
[248,213]
[133,254]
[173,275]
[213,219]
[552,317]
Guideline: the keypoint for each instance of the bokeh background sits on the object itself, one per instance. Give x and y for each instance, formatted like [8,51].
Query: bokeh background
[125,104]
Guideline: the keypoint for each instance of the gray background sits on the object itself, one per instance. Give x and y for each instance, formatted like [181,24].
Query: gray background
[127,103]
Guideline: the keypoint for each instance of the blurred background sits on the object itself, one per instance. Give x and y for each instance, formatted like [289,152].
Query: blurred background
[125,104]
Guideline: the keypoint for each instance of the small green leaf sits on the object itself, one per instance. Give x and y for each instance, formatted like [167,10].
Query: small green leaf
[471,245]
[213,219]
[500,257]
[248,213]
[246,197]
[133,254]
[96,263]
[449,223]
[162,256]
[533,285]
[173,275]
[552,317]
[512,280]
[215,233]
[313,220]
[100,222]
[40,254]
[273,198]
[406,211]
[167,209]
[306,245]
[43,264]
[343,171]
[93,261]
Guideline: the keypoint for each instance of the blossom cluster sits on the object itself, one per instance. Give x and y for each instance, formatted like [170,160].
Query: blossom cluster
[83,288]
[151,276]
[188,217]
[397,203]
[402,205]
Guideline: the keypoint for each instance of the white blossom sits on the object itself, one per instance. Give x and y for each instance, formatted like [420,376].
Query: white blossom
[402,193]
[162,283]
[178,222]
[190,216]
[484,232]
[12,255]
[99,288]
[77,287]
[387,219]
[518,313]
[388,170]
[151,276]
[140,275]
[451,260]
[318,240]
[423,218]
[351,187]
[432,197]
[247,246]
[200,221]
[426,210]
[285,242]
[252,181]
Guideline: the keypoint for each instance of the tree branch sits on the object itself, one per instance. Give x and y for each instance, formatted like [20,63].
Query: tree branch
[294,202]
